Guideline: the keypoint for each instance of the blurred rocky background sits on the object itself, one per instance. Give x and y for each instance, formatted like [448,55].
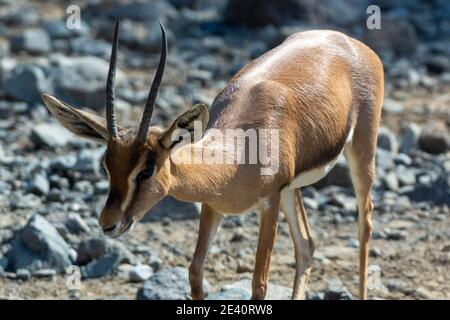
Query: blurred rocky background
[51,188]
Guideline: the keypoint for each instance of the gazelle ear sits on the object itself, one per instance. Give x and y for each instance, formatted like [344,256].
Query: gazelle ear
[194,119]
[82,123]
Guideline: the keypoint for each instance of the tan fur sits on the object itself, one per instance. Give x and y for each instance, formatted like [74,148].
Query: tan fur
[316,87]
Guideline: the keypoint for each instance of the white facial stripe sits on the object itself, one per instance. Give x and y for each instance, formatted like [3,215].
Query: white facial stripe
[130,187]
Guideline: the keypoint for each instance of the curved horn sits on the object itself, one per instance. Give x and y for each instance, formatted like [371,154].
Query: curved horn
[110,84]
[148,111]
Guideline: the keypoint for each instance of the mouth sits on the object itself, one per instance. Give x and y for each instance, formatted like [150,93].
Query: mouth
[115,232]
[128,227]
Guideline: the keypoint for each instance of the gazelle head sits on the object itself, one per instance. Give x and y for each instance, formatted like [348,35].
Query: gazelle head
[136,161]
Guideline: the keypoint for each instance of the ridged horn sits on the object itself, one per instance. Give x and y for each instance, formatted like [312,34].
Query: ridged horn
[152,95]
[110,85]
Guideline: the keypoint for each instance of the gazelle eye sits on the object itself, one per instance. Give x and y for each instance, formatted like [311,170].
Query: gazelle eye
[144,175]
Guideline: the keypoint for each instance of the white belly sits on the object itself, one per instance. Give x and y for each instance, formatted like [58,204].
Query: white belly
[312,176]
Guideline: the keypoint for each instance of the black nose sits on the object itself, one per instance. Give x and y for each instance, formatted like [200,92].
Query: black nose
[109,229]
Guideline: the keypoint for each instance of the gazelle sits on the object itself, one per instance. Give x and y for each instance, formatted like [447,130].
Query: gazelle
[321,90]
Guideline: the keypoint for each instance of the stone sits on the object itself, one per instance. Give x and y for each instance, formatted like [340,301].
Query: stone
[38,246]
[51,135]
[100,256]
[76,224]
[168,284]
[384,159]
[174,209]
[241,290]
[23,274]
[142,11]
[39,185]
[387,140]
[32,40]
[81,80]
[392,106]
[338,176]
[411,132]
[26,82]
[140,273]
[391,181]
[434,140]
[27,201]
[337,291]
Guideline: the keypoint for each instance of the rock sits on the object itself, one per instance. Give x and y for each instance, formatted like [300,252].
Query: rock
[76,224]
[241,290]
[384,159]
[338,176]
[392,106]
[338,252]
[34,40]
[271,12]
[101,256]
[51,135]
[437,64]
[48,274]
[387,140]
[140,273]
[23,274]
[391,181]
[395,234]
[27,201]
[26,82]
[411,132]
[38,246]
[81,80]
[232,293]
[337,291]
[168,284]
[403,159]
[174,209]
[142,11]
[434,140]
[88,161]
[396,34]
[57,29]
[39,185]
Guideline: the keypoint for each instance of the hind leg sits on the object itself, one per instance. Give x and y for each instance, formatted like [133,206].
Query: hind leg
[360,156]
[292,206]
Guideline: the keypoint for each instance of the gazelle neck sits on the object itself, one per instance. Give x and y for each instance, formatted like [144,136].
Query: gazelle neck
[196,181]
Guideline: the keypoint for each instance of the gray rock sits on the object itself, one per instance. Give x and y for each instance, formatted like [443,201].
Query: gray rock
[140,273]
[101,257]
[76,224]
[395,234]
[48,274]
[391,181]
[338,176]
[23,274]
[27,201]
[26,82]
[392,106]
[39,185]
[38,246]
[174,209]
[168,284]
[411,132]
[33,40]
[51,135]
[81,80]
[88,161]
[142,10]
[434,140]
[387,140]
[403,159]
[384,159]
[337,291]
[57,29]
[241,290]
